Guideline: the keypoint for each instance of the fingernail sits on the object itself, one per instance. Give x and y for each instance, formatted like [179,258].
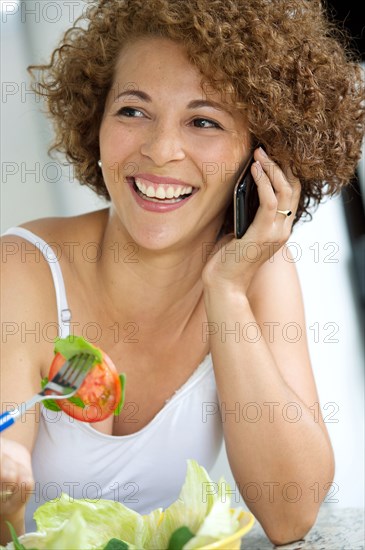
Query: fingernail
[263,152]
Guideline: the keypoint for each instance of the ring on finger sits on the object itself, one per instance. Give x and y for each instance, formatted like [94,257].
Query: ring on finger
[285,212]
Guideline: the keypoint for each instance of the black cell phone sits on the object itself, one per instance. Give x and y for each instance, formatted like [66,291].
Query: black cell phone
[245,200]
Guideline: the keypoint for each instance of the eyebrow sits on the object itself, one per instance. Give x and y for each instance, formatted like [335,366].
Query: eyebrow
[194,104]
[137,93]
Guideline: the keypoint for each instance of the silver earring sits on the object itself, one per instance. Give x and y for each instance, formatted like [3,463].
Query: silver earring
[99,163]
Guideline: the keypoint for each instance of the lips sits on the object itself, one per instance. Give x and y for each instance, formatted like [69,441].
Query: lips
[162,192]
[158,193]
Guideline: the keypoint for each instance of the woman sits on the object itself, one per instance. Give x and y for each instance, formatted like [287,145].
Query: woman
[158,105]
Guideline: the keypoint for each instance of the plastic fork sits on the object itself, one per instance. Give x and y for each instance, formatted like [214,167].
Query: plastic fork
[62,386]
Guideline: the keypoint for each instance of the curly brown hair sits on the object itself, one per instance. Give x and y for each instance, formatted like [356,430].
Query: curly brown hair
[281,61]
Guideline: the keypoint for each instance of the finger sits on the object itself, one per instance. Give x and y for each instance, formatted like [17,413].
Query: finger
[296,187]
[286,186]
[268,201]
[282,188]
[286,212]
[9,469]
[16,488]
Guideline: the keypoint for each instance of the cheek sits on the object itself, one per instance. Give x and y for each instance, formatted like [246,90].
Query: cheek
[118,152]
[228,169]
[116,141]
[221,166]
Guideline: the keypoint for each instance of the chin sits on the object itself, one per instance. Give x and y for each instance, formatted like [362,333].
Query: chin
[155,239]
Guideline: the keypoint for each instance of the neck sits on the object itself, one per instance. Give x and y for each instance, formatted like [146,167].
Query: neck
[157,289]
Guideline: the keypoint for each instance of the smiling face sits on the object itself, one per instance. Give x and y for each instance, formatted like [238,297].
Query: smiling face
[170,152]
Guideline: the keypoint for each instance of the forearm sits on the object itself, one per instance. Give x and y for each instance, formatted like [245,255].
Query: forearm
[282,458]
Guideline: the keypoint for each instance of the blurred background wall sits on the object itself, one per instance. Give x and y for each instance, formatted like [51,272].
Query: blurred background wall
[35,186]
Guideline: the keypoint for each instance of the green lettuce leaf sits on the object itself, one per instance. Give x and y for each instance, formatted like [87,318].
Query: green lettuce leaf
[150,523]
[202,509]
[101,521]
[74,345]
[31,541]
[122,381]
[190,509]
[219,523]
[17,545]
[72,535]
[50,404]
[179,538]
[116,544]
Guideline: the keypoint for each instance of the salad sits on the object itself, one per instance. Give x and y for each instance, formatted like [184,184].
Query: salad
[200,516]
[102,392]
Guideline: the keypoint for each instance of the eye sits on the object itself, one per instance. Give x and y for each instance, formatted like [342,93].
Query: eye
[206,123]
[130,112]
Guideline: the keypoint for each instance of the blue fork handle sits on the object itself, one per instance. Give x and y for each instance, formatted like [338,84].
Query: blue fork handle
[6,420]
[9,417]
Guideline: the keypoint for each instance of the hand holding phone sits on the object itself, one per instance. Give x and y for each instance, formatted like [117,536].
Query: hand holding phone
[245,200]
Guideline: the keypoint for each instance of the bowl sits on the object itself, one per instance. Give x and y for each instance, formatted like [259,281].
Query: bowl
[233,542]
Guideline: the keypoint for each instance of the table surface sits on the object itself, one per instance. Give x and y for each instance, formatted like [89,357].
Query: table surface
[335,529]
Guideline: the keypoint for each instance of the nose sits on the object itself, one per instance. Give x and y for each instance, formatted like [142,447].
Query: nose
[163,144]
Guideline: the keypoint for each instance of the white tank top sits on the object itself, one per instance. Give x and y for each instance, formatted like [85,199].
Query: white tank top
[143,470]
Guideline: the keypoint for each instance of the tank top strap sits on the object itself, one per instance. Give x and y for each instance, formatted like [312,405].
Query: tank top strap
[63,311]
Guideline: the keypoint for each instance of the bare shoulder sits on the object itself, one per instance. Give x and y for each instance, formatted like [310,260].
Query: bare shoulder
[61,229]
[26,311]
[27,290]
[23,262]
[26,304]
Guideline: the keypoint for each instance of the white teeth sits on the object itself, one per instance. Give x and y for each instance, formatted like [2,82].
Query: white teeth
[150,191]
[169,192]
[141,186]
[163,192]
[160,193]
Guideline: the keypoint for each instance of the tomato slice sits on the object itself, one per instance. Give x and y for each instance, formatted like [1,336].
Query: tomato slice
[100,391]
